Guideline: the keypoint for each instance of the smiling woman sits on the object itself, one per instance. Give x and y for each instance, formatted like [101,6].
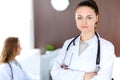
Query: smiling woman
[16,19]
[88,48]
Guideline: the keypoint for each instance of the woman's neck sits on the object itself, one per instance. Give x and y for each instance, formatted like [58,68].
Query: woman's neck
[86,36]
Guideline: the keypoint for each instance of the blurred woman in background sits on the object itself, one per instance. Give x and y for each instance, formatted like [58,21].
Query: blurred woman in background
[10,69]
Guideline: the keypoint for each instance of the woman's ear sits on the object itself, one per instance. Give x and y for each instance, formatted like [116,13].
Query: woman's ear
[97,19]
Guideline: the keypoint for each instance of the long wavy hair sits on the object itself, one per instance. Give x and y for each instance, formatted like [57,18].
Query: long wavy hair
[9,50]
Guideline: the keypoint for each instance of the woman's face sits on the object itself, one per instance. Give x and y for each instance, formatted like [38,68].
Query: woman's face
[85,19]
[18,48]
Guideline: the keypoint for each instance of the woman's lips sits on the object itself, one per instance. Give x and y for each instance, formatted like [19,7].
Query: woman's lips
[84,26]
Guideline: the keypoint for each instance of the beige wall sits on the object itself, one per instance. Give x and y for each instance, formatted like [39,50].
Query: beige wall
[52,27]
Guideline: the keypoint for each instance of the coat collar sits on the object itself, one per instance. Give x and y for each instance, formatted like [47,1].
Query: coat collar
[91,42]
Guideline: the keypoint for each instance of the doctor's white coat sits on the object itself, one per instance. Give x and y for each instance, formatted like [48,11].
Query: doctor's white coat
[85,62]
[18,74]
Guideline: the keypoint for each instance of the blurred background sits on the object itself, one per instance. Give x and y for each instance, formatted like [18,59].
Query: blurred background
[38,25]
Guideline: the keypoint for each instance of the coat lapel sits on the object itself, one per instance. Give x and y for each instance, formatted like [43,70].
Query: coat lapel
[75,48]
[92,44]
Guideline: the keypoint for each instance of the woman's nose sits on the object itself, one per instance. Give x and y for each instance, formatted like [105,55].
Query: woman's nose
[84,22]
[20,47]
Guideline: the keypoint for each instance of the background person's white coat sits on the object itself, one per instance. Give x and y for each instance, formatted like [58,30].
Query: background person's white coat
[18,74]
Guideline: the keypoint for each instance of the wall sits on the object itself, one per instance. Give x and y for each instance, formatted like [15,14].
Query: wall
[16,19]
[52,27]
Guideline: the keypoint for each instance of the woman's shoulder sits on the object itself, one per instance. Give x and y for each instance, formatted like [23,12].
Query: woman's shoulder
[106,42]
[4,66]
[67,42]
[70,39]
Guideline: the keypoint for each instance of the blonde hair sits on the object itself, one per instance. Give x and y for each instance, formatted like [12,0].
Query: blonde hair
[9,48]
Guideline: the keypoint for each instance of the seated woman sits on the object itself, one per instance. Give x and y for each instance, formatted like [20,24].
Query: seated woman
[10,69]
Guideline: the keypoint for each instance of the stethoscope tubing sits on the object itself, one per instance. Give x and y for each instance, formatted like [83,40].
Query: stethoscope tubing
[11,71]
[98,52]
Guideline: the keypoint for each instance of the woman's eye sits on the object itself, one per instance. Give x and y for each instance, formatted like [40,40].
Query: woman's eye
[89,17]
[79,18]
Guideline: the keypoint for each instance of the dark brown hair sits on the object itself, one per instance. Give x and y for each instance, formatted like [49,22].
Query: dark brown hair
[92,4]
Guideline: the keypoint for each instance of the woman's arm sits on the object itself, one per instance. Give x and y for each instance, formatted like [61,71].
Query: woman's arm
[89,75]
[61,72]
[106,62]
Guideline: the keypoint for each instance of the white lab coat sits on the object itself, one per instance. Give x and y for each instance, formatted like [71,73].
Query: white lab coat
[18,73]
[86,62]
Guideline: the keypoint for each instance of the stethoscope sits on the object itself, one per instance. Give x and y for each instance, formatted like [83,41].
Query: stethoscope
[12,78]
[98,53]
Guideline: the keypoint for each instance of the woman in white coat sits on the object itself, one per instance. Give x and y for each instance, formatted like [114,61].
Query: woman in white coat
[87,56]
[10,69]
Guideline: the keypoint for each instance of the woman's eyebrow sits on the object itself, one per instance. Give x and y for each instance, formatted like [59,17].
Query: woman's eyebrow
[89,15]
[78,15]
[81,15]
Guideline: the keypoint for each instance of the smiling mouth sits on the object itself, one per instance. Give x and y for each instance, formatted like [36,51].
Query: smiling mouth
[84,26]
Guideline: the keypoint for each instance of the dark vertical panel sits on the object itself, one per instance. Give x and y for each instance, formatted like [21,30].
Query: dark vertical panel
[51,26]
[110,21]
[115,24]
